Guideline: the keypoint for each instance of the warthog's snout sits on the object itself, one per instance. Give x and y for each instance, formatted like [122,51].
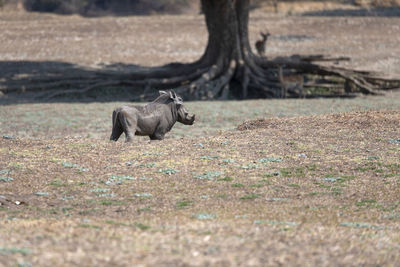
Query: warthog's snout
[191,119]
[184,116]
[188,119]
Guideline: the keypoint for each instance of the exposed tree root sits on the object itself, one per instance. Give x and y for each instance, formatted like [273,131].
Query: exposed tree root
[256,78]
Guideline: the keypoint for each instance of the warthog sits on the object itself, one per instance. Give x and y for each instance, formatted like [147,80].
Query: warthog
[154,119]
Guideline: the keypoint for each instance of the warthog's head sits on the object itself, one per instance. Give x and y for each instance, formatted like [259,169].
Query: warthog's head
[183,115]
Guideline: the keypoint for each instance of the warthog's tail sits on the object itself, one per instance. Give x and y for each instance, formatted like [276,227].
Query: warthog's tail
[117,127]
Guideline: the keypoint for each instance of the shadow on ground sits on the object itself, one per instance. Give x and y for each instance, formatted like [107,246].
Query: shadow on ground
[32,81]
[364,12]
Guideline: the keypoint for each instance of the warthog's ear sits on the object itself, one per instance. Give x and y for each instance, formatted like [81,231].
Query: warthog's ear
[177,99]
[171,95]
[162,92]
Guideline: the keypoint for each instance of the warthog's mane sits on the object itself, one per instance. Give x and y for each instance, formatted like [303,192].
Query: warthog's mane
[162,99]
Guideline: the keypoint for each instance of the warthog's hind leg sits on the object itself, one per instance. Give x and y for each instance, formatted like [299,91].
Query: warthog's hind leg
[128,125]
[157,137]
[117,127]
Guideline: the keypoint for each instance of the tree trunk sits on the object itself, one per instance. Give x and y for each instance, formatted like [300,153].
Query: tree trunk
[233,71]
[229,69]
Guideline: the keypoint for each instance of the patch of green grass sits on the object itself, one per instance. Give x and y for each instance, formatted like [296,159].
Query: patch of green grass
[142,226]
[389,175]
[332,179]
[294,185]
[14,250]
[257,185]
[226,179]
[210,175]
[209,157]
[265,181]
[70,165]
[269,159]
[248,167]
[391,207]
[394,141]
[369,166]
[87,211]
[368,203]
[312,167]
[66,209]
[393,169]
[285,172]
[111,222]
[90,226]
[362,225]
[336,191]
[250,196]
[273,199]
[237,185]
[147,165]
[143,209]
[321,185]
[299,172]
[5,171]
[373,158]
[100,190]
[271,174]
[110,202]
[57,183]
[16,165]
[205,216]
[183,204]
[6,179]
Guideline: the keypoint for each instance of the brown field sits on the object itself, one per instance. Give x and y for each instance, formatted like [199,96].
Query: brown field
[253,183]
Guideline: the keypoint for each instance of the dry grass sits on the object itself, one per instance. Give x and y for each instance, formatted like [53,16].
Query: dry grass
[320,190]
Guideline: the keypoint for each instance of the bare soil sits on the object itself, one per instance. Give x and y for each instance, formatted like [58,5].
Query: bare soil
[252,183]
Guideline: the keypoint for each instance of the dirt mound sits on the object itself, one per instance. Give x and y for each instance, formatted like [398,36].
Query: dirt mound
[359,120]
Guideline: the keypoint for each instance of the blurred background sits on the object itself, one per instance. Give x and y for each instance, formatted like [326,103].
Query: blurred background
[148,7]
